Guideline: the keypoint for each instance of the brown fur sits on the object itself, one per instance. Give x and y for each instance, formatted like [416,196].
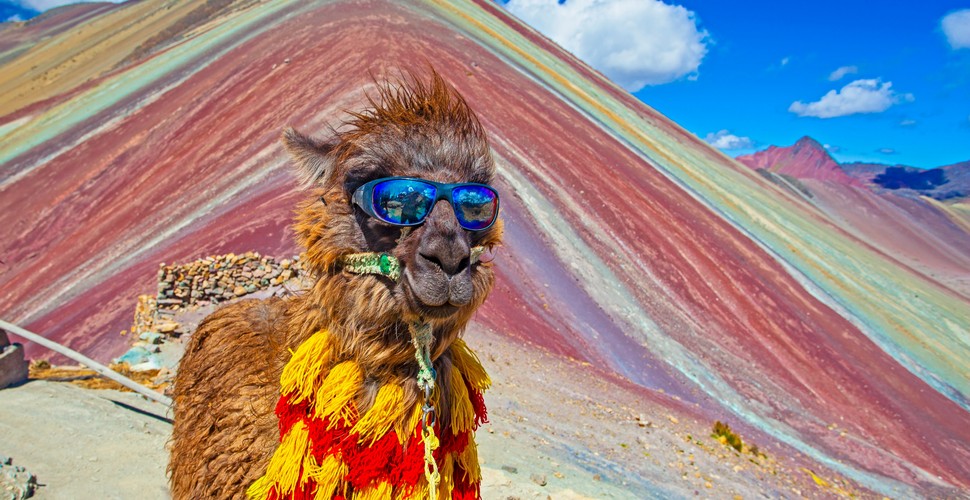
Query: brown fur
[228,382]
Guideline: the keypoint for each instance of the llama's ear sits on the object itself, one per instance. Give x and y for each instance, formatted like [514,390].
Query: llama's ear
[315,163]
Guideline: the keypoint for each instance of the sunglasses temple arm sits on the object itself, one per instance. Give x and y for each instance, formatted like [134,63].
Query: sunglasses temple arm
[358,198]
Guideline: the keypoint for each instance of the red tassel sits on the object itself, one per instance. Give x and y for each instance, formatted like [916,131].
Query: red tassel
[304,491]
[327,439]
[410,468]
[289,414]
[464,490]
[478,403]
[366,464]
[451,443]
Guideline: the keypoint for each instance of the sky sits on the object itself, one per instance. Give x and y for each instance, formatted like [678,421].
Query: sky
[885,81]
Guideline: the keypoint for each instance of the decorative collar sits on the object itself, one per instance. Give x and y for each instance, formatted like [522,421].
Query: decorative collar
[389,266]
[330,449]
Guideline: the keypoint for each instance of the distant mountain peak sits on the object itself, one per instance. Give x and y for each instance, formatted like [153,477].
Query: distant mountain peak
[808,142]
[806,159]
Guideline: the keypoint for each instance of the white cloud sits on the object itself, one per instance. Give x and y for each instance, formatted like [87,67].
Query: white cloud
[13,19]
[844,70]
[886,151]
[785,61]
[728,141]
[633,42]
[956,27]
[907,123]
[860,96]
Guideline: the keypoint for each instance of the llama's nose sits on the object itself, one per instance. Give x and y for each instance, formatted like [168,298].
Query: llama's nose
[444,245]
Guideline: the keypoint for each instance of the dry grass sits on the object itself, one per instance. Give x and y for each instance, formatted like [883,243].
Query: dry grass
[89,379]
[724,435]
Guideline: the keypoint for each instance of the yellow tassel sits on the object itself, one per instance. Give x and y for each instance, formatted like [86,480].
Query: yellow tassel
[405,427]
[379,491]
[469,365]
[284,467]
[447,477]
[301,373]
[328,476]
[468,460]
[259,490]
[462,411]
[388,408]
[337,391]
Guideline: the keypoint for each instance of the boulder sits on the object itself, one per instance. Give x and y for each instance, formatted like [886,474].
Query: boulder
[13,366]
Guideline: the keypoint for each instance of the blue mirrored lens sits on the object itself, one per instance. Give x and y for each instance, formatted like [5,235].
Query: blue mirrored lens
[403,201]
[475,206]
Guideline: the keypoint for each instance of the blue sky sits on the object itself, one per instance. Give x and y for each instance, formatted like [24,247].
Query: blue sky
[758,70]
[14,11]
[748,74]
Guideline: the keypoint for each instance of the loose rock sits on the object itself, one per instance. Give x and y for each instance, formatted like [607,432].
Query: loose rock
[15,482]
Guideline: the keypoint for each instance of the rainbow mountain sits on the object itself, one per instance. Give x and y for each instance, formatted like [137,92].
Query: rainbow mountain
[147,132]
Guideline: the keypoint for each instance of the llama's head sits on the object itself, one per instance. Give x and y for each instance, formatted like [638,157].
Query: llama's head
[422,131]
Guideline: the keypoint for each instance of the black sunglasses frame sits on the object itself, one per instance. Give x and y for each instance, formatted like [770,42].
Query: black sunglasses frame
[364,198]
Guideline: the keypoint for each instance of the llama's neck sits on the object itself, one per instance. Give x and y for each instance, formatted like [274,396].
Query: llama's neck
[381,353]
[377,336]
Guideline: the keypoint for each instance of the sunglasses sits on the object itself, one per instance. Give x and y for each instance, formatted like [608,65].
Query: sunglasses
[406,201]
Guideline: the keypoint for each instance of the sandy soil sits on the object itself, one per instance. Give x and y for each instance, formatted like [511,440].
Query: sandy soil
[84,443]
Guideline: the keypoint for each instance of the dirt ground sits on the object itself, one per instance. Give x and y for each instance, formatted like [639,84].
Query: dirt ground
[557,430]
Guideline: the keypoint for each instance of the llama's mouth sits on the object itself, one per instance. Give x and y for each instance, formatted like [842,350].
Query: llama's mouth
[437,312]
[428,297]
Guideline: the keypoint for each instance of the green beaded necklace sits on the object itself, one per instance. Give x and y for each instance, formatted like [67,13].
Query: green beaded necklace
[386,264]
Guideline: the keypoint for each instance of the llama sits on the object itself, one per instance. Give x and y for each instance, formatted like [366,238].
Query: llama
[360,386]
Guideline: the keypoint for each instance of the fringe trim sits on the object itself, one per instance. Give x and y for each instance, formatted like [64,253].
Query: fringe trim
[308,362]
[338,391]
[328,450]
[388,408]
[470,366]
[328,476]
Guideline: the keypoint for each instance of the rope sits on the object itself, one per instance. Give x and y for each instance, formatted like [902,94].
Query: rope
[422,337]
[86,361]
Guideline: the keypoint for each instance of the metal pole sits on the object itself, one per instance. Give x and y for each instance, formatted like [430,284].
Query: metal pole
[86,361]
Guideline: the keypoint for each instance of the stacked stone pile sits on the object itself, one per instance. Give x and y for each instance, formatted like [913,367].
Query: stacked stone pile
[220,278]
[183,287]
